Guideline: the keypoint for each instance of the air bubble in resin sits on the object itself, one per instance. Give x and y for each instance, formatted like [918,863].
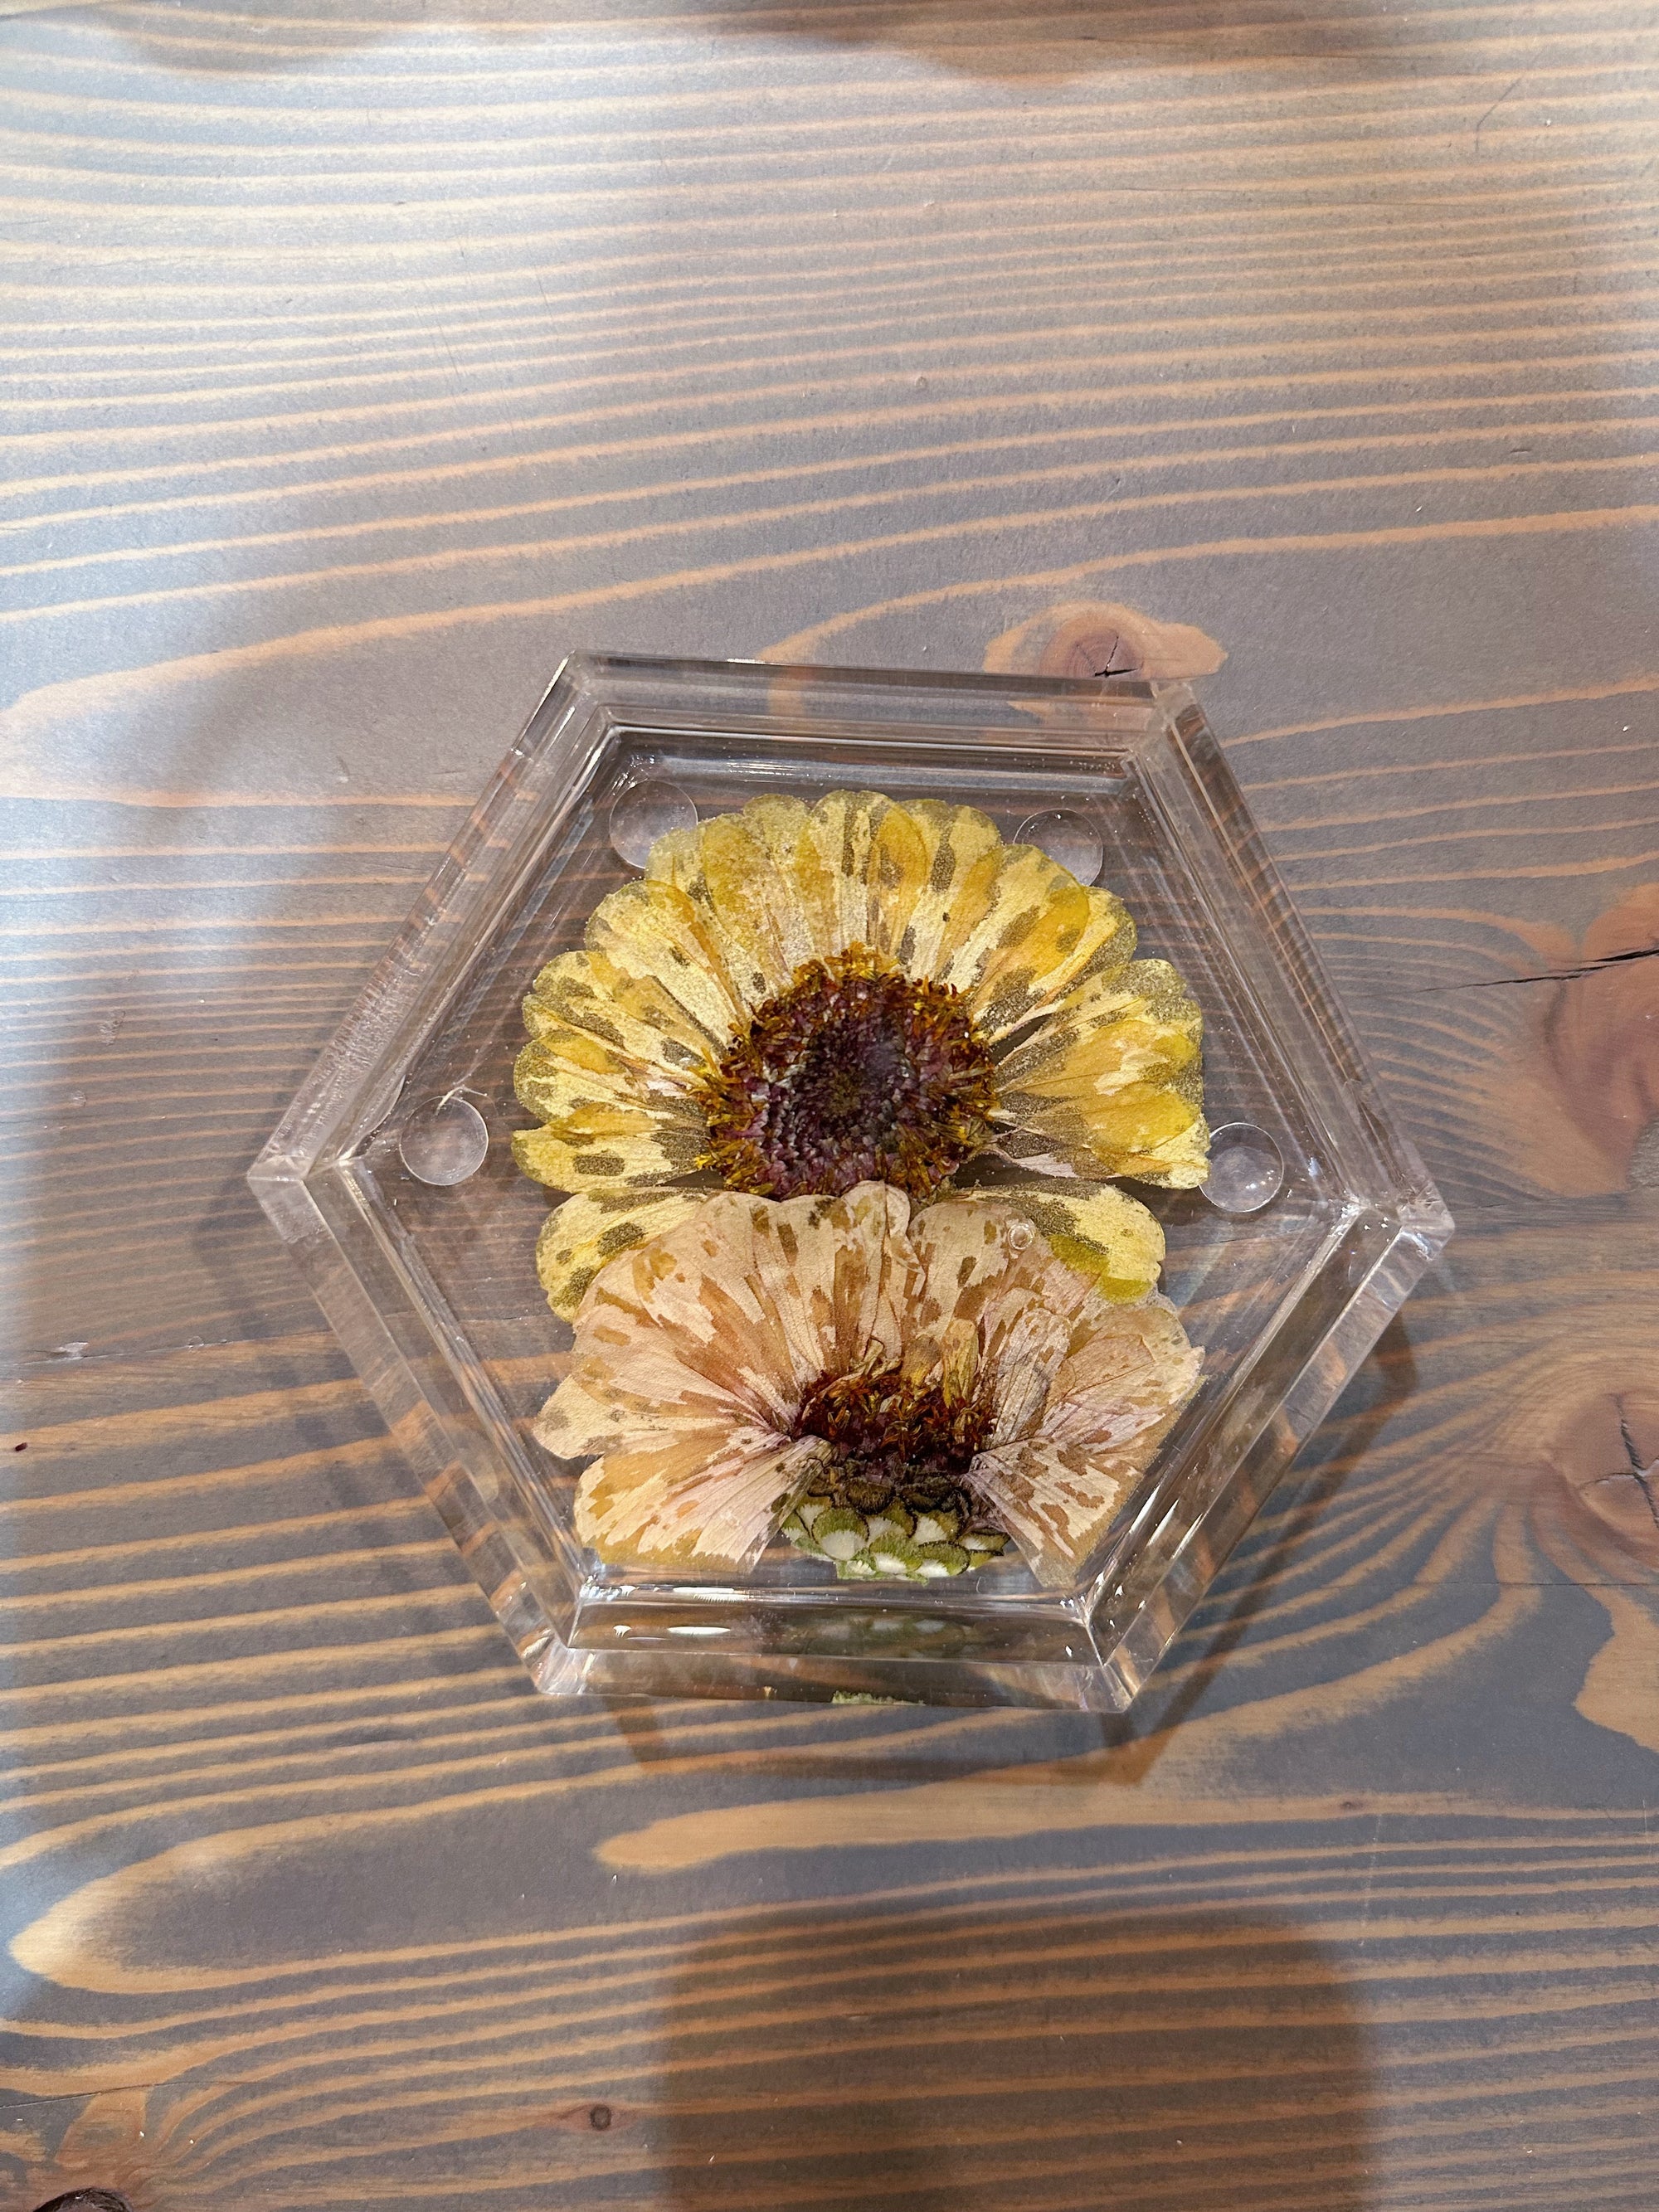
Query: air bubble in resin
[445,1142]
[1066,835]
[645,813]
[1247,1169]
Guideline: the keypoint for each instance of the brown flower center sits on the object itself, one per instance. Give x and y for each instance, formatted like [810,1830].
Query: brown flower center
[856,1073]
[891,1439]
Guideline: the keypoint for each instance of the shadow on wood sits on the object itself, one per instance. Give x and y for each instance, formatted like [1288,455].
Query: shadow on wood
[1070,38]
[964,2058]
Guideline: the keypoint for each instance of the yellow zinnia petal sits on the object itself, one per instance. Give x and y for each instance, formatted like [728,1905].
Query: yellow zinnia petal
[751,900]
[1110,1030]
[653,933]
[957,842]
[1039,930]
[874,859]
[1110,1082]
[1149,1133]
[593,1146]
[806,880]
[1108,1237]
[720,868]
[1004,924]
[584,1234]
[900,865]
[563,1069]
[636,1016]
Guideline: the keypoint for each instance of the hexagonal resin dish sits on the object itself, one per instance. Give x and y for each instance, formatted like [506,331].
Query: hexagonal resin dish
[392,1179]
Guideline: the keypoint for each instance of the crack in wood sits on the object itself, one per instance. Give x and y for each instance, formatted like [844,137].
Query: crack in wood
[1549,975]
[1642,1476]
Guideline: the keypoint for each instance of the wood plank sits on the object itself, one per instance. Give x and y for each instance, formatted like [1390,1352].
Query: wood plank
[361,363]
[1353,1806]
[1394,2013]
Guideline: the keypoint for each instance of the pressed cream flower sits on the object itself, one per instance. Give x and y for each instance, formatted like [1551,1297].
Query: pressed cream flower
[903,1391]
[794,1000]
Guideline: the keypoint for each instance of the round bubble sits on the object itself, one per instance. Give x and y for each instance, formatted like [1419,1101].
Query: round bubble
[445,1142]
[645,813]
[1067,837]
[1247,1169]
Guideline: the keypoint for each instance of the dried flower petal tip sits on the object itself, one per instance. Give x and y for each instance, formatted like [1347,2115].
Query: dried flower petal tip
[906,1396]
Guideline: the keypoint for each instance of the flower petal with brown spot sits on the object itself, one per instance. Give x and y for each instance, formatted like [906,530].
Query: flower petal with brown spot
[700,1356]
[743,1016]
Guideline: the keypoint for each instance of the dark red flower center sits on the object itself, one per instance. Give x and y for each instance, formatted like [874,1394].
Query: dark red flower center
[856,1073]
[893,1439]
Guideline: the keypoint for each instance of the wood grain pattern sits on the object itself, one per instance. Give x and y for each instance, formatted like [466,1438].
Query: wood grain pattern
[360,363]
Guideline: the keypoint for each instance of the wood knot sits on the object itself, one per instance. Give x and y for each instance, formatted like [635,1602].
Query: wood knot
[88,2200]
[1103,637]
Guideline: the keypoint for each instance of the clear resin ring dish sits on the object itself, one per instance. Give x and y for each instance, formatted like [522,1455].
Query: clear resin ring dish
[392,1179]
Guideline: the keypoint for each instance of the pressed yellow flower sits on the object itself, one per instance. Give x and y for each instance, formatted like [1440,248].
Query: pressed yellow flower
[793,1000]
[901,1390]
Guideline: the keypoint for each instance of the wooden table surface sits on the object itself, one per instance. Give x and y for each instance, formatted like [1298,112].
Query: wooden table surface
[361,360]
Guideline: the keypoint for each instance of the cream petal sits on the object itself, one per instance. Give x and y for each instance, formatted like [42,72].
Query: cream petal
[588,1231]
[741,1307]
[1055,1503]
[1124,1369]
[968,1249]
[610,1403]
[1096,1229]
[1059,1360]
[985,1266]
[823,1279]
[709,1498]
[1126,1373]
